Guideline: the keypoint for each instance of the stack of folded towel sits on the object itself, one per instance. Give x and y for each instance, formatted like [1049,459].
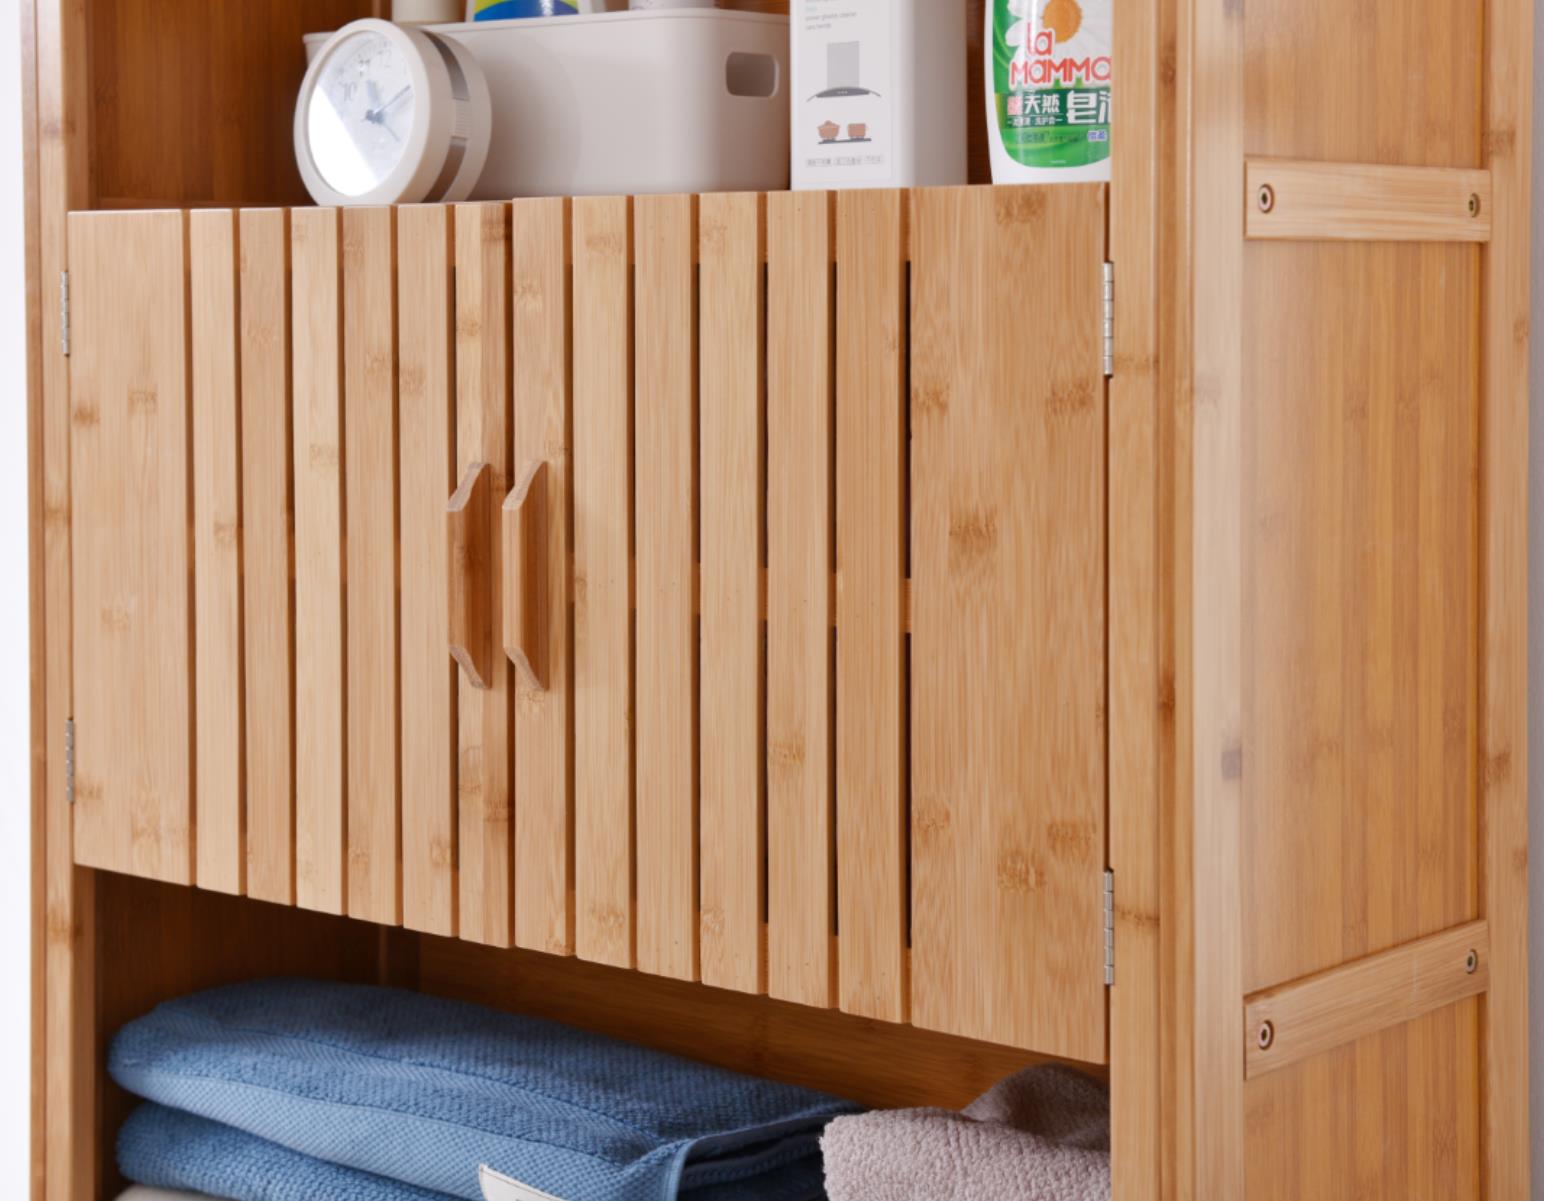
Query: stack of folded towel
[288,1090]
[1042,1135]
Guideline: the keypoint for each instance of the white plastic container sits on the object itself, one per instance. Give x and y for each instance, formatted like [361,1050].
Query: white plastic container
[878,96]
[1048,75]
[674,100]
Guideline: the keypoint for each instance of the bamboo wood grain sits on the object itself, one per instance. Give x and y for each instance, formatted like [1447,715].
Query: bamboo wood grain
[320,646]
[732,462]
[214,309]
[469,527]
[1008,814]
[871,449]
[1210,293]
[71,1087]
[426,469]
[129,453]
[874,1063]
[1137,210]
[527,616]
[1305,1018]
[268,625]
[603,538]
[800,557]
[483,433]
[371,491]
[665,481]
[1504,598]
[544,718]
[1365,202]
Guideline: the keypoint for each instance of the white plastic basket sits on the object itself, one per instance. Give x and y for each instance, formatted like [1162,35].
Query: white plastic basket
[676,100]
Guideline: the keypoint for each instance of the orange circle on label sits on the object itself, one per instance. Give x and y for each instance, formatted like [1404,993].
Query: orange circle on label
[1063,18]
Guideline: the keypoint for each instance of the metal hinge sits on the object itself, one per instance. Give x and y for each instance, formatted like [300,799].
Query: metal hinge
[69,760]
[64,313]
[1109,927]
[1108,306]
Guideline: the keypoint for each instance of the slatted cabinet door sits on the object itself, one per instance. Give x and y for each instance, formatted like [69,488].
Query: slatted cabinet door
[132,558]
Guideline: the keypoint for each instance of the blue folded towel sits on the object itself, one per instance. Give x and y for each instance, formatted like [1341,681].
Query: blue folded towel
[423,1090]
[166,1148]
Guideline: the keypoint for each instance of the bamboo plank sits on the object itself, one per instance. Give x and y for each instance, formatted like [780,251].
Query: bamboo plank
[217,620]
[320,754]
[544,718]
[370,488]
[132,580]
[871,790]
[426,465]
[1135,596]
[1365,202]
[1297,1021]
[1504,612]
[1008,637]
[483,436]
[268,627]
[800,559]
[732,432]
[603,636]
[665,417]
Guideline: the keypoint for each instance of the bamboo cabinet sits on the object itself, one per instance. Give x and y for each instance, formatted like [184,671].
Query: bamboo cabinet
[877,639]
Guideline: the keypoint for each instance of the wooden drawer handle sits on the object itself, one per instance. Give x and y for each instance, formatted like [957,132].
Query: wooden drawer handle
[527,598]
[471,591]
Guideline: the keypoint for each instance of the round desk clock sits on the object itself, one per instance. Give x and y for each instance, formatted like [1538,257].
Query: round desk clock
[389,114]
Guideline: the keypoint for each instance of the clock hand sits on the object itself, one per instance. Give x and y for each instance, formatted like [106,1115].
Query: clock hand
[376,114]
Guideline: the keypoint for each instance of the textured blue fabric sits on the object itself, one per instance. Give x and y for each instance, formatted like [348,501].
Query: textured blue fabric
[166,1148]
[423,1090]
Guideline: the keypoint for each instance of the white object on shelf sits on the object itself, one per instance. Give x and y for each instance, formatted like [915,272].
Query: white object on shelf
[878,94]
[425,12]
[672,100]
[391,114]
[1048,72]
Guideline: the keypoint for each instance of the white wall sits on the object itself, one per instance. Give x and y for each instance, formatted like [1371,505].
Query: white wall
[15,801]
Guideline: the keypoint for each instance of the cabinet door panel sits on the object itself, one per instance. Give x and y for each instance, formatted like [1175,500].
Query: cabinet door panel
[1008,668]
[132,560]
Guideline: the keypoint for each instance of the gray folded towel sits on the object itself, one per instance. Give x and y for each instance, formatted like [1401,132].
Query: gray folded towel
[1042,1135]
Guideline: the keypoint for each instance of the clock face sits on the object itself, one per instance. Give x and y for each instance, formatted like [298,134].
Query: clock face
[360,113]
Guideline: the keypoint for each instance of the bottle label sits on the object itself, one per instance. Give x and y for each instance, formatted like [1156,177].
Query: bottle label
[1052,73]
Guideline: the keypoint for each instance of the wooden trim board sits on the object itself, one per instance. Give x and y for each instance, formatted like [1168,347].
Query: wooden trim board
[1297,1021]
[1365,202]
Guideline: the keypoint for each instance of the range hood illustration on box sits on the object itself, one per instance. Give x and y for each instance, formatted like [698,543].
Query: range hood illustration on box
[843,63]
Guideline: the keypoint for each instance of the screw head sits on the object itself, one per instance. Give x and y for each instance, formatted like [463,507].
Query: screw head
[1266,1035]
[1472,962]
[1266,198]
[1474,204]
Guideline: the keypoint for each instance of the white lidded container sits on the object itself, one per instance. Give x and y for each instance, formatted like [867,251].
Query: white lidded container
[1049,70]
[878,96]
[671,100]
